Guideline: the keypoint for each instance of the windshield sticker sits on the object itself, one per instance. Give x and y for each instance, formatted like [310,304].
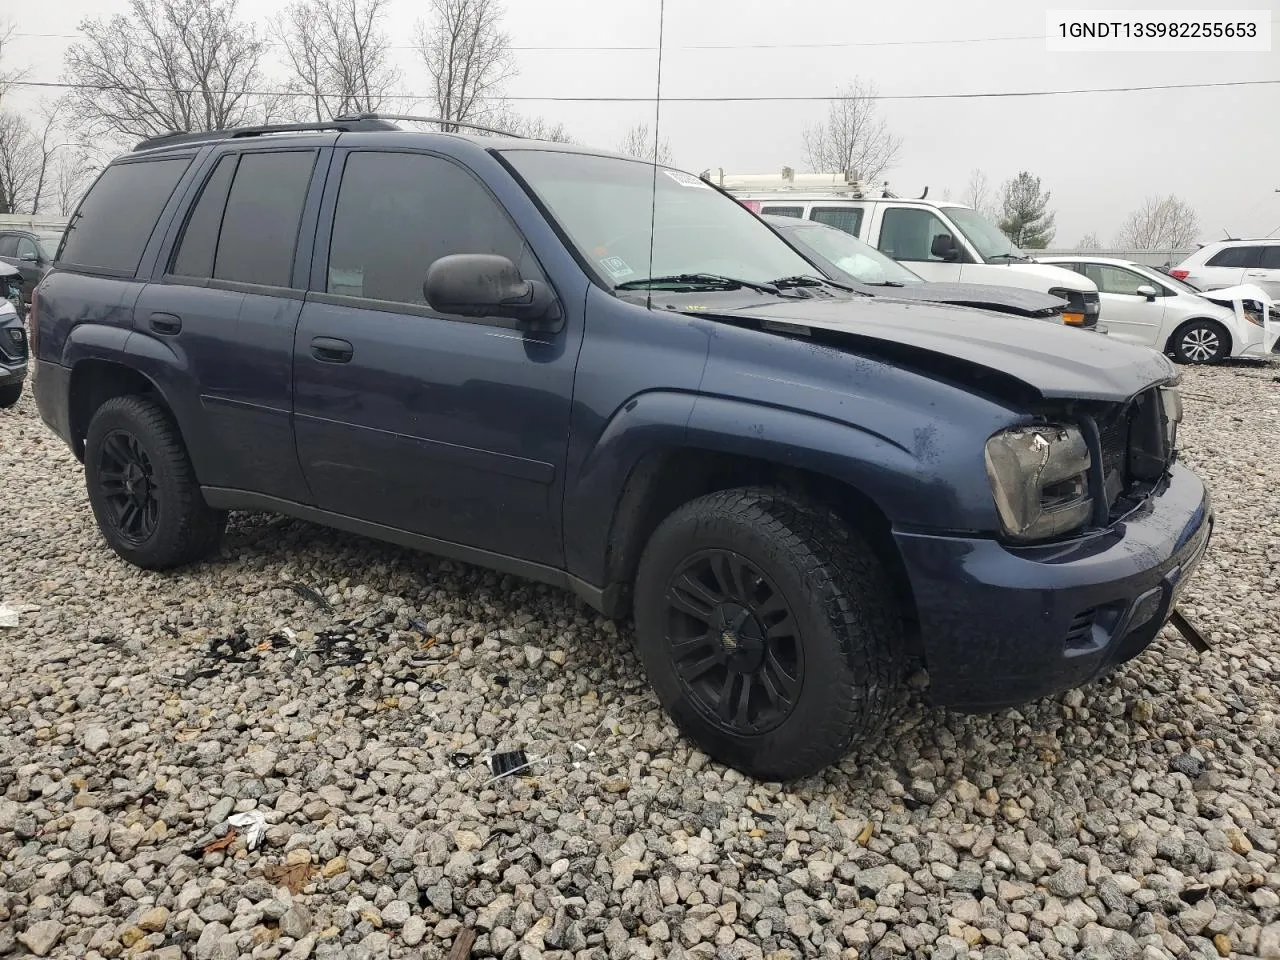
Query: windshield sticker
[617,267]
[685,179]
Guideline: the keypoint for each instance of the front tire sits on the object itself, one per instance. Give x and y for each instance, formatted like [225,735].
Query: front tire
[1200,342]
[768,630]
[143,489]
[10,394]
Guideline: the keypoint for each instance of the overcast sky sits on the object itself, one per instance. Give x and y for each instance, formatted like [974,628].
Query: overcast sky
[1099,154]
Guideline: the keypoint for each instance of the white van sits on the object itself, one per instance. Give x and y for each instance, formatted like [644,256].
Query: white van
[940,241]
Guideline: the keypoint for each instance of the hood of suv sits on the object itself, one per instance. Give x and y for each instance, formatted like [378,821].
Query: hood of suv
[1055,362]
[1013,300]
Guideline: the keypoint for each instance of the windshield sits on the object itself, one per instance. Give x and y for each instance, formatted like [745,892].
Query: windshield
[1163,278]
[860,260]
[48,243]
[607,205]
[985,236]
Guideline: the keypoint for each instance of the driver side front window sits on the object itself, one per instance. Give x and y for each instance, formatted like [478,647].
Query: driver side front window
[913,235]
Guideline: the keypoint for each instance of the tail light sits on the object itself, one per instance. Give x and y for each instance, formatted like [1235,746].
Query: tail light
[752,205]
[1179,274]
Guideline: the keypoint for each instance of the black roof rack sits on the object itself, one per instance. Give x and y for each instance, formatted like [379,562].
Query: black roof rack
[444,123]
[361,123]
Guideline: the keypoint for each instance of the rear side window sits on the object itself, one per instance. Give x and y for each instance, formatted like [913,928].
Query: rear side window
[27,248]
[848,219]
[260,224]
[397,213]
[116,218]
[783,211]
[194,256]
[1271,257]
[1235,257]
[9,245]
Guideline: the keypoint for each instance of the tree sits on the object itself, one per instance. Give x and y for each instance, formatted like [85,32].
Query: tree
[7,74]
[1161,223]
[19,167]
[1027,221]
[168,65]
[637,143]
[507,119]
[853,139]
[468,57]
[977,194]
[1088,243]
[72,176]
[338,54]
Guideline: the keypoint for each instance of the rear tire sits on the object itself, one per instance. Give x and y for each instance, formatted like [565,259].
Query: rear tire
[768,630]
[10,394]
[143,489]
[1200,342]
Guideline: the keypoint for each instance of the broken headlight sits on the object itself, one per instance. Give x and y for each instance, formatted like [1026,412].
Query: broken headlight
[1040,480]
[1254,311]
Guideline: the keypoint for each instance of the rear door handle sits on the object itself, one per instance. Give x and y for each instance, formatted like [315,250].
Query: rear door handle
[166,323]
[331,350]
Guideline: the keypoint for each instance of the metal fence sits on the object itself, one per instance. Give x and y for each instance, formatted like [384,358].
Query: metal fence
[40,223]
[1152,258]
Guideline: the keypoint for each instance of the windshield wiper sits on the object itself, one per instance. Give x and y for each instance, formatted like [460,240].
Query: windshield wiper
[887,283]
[704,280]
[1009,256]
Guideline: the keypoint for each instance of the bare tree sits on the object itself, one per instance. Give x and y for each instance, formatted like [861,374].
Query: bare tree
[978,194]
[73,173]
[1161,223]
[19,166]
[853,139]
[535,128]
[637,142]
[167,65]
[1089,242]
[338,54]
[468,57]
[7,74]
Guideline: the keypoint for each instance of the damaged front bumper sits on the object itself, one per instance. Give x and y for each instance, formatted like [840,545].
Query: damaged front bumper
[1002,626]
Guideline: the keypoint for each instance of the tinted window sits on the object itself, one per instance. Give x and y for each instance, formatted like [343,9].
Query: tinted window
[1116,279]
[783,211]
[9,245]
[194,256]
[27,248]
[907,233]
[114,221]
[1235,257]
[848,219]
[1271,257]
[398,213]
[260,225]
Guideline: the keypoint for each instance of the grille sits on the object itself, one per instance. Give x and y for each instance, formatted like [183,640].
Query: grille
[1080,630]
[1113,438]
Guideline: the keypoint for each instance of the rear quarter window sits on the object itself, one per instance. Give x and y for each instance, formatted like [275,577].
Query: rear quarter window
[1235,257]
[116,218]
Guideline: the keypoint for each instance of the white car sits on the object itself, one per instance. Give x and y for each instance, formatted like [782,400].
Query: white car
[1229,263]
[1142,305]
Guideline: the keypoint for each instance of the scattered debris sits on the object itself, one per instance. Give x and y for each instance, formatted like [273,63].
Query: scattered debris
[462,944]
[505,764]
[295,876]
[864,835]
[502,681]
[461,760]
[308,593]
[419,626]
[8,616]
[104,639]
[170,629]
[254,825]
[221,843]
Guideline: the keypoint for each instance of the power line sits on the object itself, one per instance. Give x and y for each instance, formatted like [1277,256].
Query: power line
[1001,94]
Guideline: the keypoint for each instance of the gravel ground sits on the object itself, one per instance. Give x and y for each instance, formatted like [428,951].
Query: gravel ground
[1135,818]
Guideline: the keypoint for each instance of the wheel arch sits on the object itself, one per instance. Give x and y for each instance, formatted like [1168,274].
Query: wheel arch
[1228,336]
[94,381]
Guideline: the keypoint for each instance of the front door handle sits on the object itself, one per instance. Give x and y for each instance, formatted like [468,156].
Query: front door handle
[166,323]
[331,350]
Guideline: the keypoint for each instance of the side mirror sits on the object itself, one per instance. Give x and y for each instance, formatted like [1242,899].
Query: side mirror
[485,285]
[1148,291]
[27,258]
[944,247]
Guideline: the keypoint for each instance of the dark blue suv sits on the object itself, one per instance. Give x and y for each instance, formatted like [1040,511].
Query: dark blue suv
[611,376]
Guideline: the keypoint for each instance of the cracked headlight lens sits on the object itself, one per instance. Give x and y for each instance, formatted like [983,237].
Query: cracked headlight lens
[1040,480]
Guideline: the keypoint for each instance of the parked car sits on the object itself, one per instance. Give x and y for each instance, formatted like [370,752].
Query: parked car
[32,252]
[846,259]
[941,242]
[481,347]
[1230,263]
[1142,305]
[13,338]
